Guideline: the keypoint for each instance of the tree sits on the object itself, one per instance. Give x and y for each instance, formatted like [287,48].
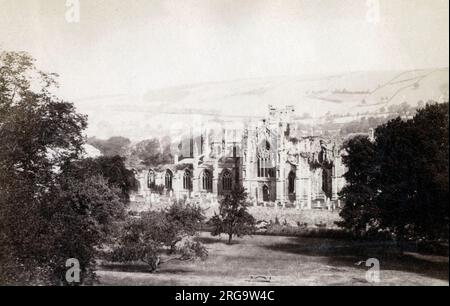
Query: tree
[39,134]
[112,168]
[113,146]
[156,237]
[359,192]
[399,184]
[46,215]
[413,178]
[233,218]
[80,216]
[152,152]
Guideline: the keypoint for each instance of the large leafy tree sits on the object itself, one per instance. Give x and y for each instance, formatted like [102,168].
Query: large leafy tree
[47,215]
[39,134]
[80,216]
[399,183]
[233,218]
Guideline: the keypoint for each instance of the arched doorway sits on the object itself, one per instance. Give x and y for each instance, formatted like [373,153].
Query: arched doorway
[266,193]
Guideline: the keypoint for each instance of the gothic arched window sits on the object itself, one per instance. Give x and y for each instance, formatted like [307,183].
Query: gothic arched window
[265,167]
[168,179]
[187,180]
[206,178]
[227,181]
[291,182]
[265,160]
[151,179]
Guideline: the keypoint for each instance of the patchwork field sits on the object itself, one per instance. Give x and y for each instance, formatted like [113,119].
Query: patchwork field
[274,260]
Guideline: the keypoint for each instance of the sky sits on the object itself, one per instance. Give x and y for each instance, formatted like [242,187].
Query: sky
[129,47]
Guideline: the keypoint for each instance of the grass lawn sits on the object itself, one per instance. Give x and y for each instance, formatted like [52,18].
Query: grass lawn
[287,261]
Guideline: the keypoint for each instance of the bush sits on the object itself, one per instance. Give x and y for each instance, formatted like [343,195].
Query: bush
[170,232]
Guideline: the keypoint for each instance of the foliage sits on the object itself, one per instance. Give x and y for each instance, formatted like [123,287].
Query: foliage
[399,183]
[46,216]
[79,220]
[112,168]
[303,231]
[113,146]
[183,166]
[39,133]
[153,152]
[359,192]
[170,232]
[362,125]
[233,218]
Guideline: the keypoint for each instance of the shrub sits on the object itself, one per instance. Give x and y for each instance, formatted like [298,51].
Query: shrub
[169,232]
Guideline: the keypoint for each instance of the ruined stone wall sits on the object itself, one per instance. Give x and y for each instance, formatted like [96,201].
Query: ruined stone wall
[315,161]
[313,218]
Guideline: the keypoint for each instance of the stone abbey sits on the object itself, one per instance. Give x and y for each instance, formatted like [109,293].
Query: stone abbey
[273,166]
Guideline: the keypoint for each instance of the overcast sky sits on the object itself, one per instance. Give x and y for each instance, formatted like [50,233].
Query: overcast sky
[129,47]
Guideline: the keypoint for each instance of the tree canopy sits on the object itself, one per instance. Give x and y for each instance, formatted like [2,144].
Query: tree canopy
[399,183]
[48,214]
[153,152]
[112,168]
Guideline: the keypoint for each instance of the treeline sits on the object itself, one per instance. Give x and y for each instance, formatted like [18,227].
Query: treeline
[364,121]
[363,125]
[149,152]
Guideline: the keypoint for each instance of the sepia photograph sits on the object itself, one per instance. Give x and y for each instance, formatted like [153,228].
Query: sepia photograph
[247,145]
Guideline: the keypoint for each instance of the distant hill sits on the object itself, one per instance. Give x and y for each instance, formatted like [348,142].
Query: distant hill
[351,94]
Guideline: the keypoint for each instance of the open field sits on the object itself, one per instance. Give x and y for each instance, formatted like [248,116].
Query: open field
[287,261]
